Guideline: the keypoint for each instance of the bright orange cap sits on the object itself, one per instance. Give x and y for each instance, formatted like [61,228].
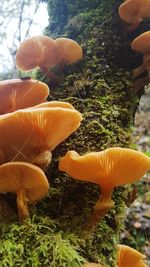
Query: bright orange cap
[109,168]
[133,11]
[54,104]
[37,51]
[69,50]
[27,181]
[112,167]
[142,43]
[26,134]
[130,257]
[92,264]
[18,94]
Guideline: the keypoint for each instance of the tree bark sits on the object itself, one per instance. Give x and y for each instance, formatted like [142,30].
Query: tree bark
[101,87]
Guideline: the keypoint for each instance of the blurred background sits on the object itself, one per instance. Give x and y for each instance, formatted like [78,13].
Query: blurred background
[137,224]
[20,19]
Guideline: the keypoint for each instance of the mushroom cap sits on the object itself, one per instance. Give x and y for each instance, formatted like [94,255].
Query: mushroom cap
[91,264]
[109,168]
[27,133]
[18,94]
[69,50]
[15,176]
[130,9]
[130,257]
[142,43]
[54,104]
[37,51]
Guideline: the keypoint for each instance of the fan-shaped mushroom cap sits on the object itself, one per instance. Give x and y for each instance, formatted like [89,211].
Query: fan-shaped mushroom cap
[91,264]
[69,50]
[27,181]
[54,104]
[18,94]
[130,257]
[111,167]
[37,51]
[25,134]
[142,43]
[133,11]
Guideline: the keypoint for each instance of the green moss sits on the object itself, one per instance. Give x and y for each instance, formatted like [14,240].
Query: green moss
[49,248]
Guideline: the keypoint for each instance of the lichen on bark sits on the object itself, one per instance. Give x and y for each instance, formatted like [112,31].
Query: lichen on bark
[101,88]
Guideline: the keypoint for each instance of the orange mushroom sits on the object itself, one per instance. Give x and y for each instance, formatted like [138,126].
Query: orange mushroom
[91,264]
[129,257]
[31,134]
[134,11]
[54,104]
[142,44]
[27,181]
[109,168]
[69,50]
[18,94]
[37,51]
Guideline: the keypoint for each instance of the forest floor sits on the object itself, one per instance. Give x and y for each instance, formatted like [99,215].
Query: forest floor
[137,225]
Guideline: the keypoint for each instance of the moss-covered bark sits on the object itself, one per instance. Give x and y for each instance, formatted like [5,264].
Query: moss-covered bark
[101,88]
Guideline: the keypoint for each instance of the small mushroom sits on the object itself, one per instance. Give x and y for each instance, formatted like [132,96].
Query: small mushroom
[109,168]
[27,181]
[91,264]
[32,134]
[69,50]
[129,257]
[37,51]
[133,12]
[142,44]
[54,104]
[18,94]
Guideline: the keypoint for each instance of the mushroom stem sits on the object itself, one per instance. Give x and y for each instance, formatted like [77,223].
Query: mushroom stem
[140,83]
[135,23]
[101,208]
[139,70]
[22,200]
[42,160]
[52,76]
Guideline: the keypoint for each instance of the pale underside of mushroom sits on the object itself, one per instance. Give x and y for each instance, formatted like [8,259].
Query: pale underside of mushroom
[27,181]
[26,135]
[109,168]
[18,94]
[128,256]
[133,12]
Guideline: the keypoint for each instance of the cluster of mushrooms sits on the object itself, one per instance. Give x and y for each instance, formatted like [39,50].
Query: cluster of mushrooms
[31,128]
[132,12]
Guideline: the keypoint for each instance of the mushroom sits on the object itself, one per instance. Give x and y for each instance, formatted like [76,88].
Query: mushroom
[18,94]
[37,51]
[54,104]
[133,12]
[91,264]
[142,44]
[31,134]
[69,50]
[109,168]
[27,181]
[129,257]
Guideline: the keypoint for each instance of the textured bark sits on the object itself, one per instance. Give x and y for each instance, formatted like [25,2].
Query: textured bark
[101,88]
